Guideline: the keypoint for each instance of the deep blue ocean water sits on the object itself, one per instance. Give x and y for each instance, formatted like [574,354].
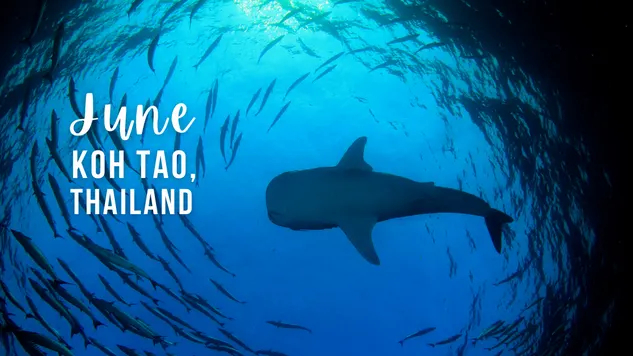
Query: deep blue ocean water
[315,279]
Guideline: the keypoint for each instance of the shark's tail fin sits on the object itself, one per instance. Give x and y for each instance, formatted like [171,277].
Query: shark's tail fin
[494,222]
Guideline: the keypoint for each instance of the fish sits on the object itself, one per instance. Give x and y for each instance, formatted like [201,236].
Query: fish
[101,347]
[236,145]
[151,51]
[193,303]
[115,259]
[407,38]
[113,80]
[236,121]
[59,197]
[24,109]
[62,292]
[295,83]
[133,7]
[309,51]
[57,45]
[136,237]
[269,46]
[290,14]
[75,279]
[326,71]
[116,247]
[208,51]
[353,197]
[36,22]
[330,60]
[38,340]
[446,341]
[7,293]
[175,296]
[50,299]
[385,64]
[173,317]
[170,72]
[225,292]
[416,334]
[54,129]
[206,304]
[341,2]
[211,257]
[430,45]
[189,226]
[281,112]
[207,110]
[58,159]
[316,18]
[158,97]
[148,104]
[279,324]
[112,291]
[362,49]
[223,131]
[235,340]
[72,89]
[170,271]
[200,160]
[175,6]
[269,90]
[253,100]
[177,141]
[37,316]
[41,202]
[194,9]
[215,96]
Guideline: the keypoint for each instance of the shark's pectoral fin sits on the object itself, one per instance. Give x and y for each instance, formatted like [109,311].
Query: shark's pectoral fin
[358,230]
[354,157]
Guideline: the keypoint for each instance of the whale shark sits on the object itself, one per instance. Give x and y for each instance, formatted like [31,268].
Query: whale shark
[353,197]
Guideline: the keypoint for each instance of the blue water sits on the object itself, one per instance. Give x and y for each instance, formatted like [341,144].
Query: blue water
[315,279]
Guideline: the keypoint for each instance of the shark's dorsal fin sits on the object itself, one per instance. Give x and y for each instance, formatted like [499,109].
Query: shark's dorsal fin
[354,156]
[358,231]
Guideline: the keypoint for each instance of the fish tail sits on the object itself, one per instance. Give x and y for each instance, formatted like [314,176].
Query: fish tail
[20,128]
[86,343]
[195,66]
[57,235]
[99,229]
[154,283]
[29,316]
[59,282]
[432,345]
[401,342]
[155,301]
[495,220]
[96,323]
